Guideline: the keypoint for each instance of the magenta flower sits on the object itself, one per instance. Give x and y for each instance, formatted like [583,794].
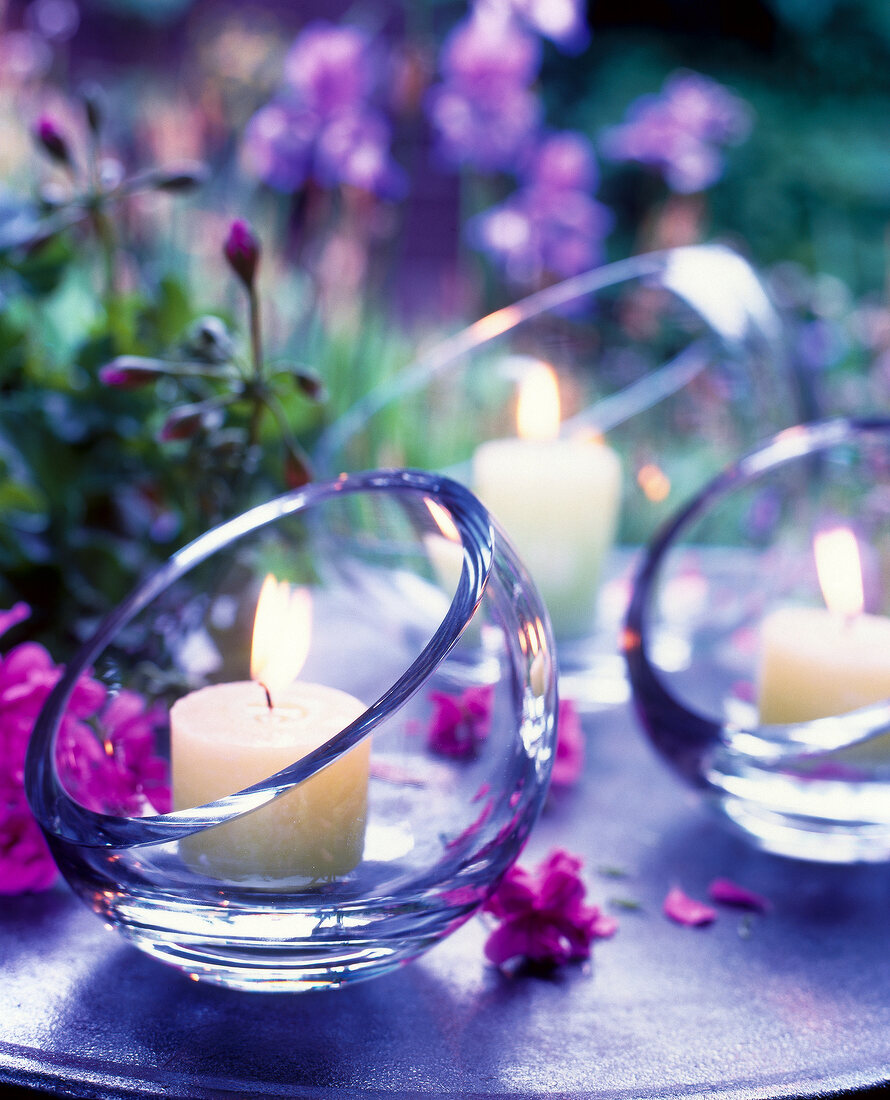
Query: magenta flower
[460,723]
[569,762]
[106,746]
[542,915]
[484,111]
[681,131]
[686,910]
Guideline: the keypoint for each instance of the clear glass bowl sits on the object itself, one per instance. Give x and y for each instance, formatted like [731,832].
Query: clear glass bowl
[674,360]
[774,707]
[392,831]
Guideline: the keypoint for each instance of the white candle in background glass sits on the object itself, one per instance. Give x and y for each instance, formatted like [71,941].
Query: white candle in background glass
[557,498]
[820,661]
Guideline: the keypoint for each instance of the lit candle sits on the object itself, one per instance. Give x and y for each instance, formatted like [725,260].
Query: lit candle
[820,661]
[557,499]
[225,737]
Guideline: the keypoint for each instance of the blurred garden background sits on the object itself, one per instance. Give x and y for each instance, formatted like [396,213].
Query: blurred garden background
[221,223]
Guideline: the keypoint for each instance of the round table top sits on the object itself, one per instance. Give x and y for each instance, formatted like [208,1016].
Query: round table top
[795,1002]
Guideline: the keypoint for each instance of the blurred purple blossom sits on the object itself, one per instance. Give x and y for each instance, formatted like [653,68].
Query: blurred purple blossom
[324,124]
[562,21]
[484,111]
[680,131]
[551,225]
[331,69]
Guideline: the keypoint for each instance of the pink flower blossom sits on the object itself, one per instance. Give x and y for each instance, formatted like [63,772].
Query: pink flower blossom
[105,747]
[542,914]
[686,910]
[569,746]
[460,723]
[726,892]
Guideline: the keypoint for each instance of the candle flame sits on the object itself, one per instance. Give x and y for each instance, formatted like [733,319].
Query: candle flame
[537,409]
[839,569]
[281,632]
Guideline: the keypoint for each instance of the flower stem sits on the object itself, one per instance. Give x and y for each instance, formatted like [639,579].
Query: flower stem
[256,338]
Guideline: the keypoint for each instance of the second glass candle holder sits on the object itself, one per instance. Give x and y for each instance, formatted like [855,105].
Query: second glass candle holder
[580,416]
[758,642]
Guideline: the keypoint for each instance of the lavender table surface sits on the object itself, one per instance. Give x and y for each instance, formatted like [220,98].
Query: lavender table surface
[793,1003]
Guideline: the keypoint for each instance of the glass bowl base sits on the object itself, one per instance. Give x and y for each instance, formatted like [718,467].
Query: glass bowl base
[282,968]
[248,944]
[824,821]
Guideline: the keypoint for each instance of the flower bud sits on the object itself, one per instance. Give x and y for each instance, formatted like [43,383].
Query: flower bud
[242,250]
[185,177]
[94,105]
[186,421]
[48,135]
[129,372]
[210,341]
[297,472]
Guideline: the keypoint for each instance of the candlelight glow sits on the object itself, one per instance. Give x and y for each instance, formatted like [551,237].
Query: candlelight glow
[839,570]
[654,482]
[537,409]
[281,632]
[443,521]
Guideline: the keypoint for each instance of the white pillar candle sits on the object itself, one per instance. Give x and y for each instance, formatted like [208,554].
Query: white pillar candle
[816,662]
[225,737]
[558,500]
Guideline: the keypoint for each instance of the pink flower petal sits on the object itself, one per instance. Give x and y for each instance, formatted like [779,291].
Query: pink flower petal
[15,615]
[727,892]
[543,916]
[569,762]
[460,723]
[685,910]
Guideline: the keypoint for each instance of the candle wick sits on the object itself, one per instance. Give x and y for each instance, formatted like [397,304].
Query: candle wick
[268,696]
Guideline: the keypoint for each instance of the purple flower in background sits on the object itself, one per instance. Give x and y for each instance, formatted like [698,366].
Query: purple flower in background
[484,111]
[354,149]
[680,131]
[278,145]
[324,124]
[562,21]
[551,225]
[330,69]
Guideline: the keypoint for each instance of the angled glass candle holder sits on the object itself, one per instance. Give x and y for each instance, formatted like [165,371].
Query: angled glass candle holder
[331,823]
[758,642]
[630,386]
